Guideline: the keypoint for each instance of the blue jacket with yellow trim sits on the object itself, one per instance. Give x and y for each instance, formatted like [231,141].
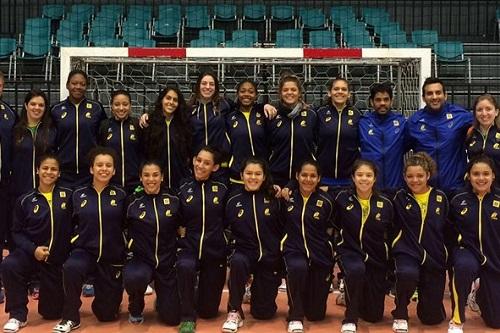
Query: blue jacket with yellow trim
[368,238]
[202,206]
[382,142]
[36,223]
[476,144]
[442,135]
[25,153]
[99,220]
[124,136]
[477,223]
[256,225]
[337,140]
[424,240]
[77,130]
[290,142]
[8,118]
[248,138]
[306,227]
[152,222]
[209,126]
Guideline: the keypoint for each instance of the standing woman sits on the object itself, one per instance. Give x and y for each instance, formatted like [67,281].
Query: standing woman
[419,249]
[246,127]
[291,133]
[363,217]
[484,136]
[122,133]
[306,248]
[77,120]
[254,218]
[153,217]
[41,230]
[474,215]
[98,244]
[168,137]
[34,136]
[202,253]
[337,136]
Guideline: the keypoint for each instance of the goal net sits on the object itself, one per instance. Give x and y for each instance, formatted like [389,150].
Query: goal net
[145,71]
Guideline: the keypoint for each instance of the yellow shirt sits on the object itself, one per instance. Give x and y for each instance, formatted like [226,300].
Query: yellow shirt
[48,196]
[365,209]
[423,202]
[246,114]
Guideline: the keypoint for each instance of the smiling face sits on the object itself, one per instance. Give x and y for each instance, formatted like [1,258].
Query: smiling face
[103,168]
[121,107]
[416,178]
[339,93]
[247,94]
[434,96]
[207,87]
[481,178]
[35,109]
[290,93]
[364,179]
[381,103]
[253,177]
[48,172]
[77,85]
[308,179]
[204,165]
[151,178]
[485,113]
[170,102]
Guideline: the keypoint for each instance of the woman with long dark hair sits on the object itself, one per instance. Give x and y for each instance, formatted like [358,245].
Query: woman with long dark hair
[168,137]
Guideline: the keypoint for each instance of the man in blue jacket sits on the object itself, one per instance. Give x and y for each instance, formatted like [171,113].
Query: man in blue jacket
[439,129]
[381,135]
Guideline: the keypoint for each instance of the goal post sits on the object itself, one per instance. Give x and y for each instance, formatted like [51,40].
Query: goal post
[144,71]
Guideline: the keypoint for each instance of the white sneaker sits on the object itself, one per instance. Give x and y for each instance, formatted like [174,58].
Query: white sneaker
[13,325]
[471,301]
[149,291]
[400,326]
[348,328]
[65,326]
[295,326]
[232,323]
[455,328]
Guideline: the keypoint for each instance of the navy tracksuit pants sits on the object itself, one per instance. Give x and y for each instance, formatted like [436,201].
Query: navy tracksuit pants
[136,277]
[266,280]
[466,268]
[108,289]
[429,282]
[365,287]
[17,271]
[211,276]
[308,286]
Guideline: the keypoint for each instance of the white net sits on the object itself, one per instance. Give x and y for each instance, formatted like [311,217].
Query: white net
[144,77]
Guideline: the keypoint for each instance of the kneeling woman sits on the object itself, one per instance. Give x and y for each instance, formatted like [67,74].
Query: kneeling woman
[475,214]
[41,231]
[419,249]
[152,219]
[98,246]
[364,218]
[306,248]
[254,218]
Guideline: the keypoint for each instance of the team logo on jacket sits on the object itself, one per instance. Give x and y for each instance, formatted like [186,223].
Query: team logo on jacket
[449,116]
[303,123]
[496,203]
[496,146]
[63,205]
[83,203]
[378,217]
[380,204]
[113,203]
[258,122]
[464,211]
[319,203]
[303,113]
[267,212]
[216,200]
[168,213]
[132,127]
[142,205]
[62,194]
[110,135]
[2,107]
[350,122]
[328,119]
[112,192]
[370,131]
[35,210]
[189,198]
[142,215]
[423,128]
[439,198]
[132,137]
[395,122]
[497,136]
[215,188]
[316,215]
[166,201]
[89,106]
[238,204]
[472,143]
[350,113]
[438,211]
[235,124]
[266,200]
[240,212]
[351,206]
[64,114]
[278,124]
[88,115]
[494,216]
[290,208]
[408,206]
[5,116]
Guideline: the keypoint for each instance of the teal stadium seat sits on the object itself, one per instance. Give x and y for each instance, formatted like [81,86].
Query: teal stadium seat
[255,18]
[134,32]
[207,42]
[450,55]
[82,12]
[225,17]
[197,17]
[102,27]
[289,38]
[243,38]
[53,12]
[8,50]
[111,11]
[282,18]
[313,19]
[342,16]
[140,14]
[322,39]
[169,24]
[105,42]
[218,35]
[425,38]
